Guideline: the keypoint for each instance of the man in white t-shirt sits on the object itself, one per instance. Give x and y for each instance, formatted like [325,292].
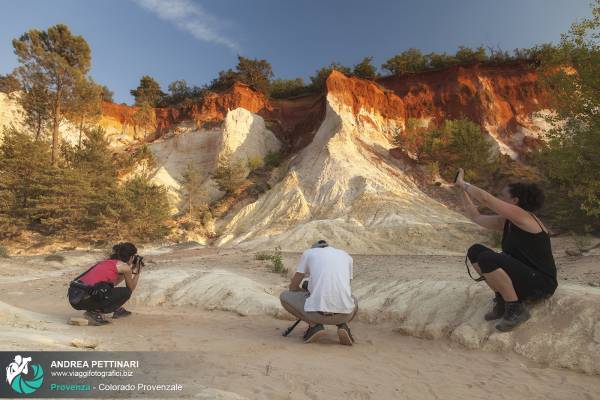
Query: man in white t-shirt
[329,299]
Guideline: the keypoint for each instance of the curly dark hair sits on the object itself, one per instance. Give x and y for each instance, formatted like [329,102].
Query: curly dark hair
[123,251]
[530,195]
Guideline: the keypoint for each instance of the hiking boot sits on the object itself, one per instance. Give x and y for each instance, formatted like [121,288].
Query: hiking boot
[345,335]
[515,314]
[498,310]
[95,318]
[121,312]
[313,333]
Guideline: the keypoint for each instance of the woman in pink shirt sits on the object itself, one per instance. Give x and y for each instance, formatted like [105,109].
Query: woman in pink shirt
[96,291]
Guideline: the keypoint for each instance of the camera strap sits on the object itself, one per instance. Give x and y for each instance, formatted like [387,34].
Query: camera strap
[481,278]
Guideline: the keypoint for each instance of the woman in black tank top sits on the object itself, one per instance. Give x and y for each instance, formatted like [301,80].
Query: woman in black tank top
[525,269]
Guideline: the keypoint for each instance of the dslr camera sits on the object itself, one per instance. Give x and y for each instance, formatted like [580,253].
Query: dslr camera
[137,263]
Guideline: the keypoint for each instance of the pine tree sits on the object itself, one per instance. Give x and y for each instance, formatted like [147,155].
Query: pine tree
[193,194]
[55,59]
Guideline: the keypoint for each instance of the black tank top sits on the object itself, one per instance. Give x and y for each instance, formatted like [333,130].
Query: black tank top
[532,249]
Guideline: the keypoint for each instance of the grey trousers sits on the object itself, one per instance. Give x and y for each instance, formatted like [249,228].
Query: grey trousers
[293,302]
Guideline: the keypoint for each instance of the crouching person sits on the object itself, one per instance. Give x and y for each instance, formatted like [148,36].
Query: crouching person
[96,291]
[329,300]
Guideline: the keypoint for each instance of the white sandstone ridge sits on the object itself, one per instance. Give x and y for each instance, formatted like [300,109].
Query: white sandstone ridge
[345,187]
[12,115]
[242,137]
[564,331]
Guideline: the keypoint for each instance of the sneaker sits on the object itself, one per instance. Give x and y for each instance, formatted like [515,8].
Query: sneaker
[515,314]
[498,310]
[121,312]
[313,333]
[95,318]
[345,335]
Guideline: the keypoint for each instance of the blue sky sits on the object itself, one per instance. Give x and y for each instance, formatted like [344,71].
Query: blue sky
[194,39]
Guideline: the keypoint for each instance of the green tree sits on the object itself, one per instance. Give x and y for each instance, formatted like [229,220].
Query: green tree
[570,160]
[320,77]
[194,196]
[144,118]
[59,58]
[229,175]
[37,104]
[9,83]
[145,209]
[411,60]
[285,88]
[85,105]
[256,73]
[458,143]
[107,94]
[365,69]
[148,91]
[465,55]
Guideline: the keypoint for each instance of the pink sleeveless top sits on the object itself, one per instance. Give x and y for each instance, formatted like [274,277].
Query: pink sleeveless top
[104,271]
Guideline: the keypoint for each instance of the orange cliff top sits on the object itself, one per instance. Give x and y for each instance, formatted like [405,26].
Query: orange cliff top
[500,97]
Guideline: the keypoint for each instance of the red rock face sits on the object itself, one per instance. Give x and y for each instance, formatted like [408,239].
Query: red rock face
[499,98]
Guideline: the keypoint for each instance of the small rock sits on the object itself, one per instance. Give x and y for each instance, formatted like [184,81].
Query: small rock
[79,321]
[84,343]
[573,252]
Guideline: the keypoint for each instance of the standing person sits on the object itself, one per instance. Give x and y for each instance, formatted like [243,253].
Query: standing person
[95,290]
[525,269]
[329,300]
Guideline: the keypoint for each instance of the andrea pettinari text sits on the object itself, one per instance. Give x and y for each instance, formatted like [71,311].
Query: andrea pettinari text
[90,375]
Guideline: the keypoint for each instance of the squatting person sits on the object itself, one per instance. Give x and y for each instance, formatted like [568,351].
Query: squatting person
[329,300]
[96,291]
[525,269]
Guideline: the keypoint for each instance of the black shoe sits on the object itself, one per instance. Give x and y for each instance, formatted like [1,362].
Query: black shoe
[313,333]
[515,314]
[345,335]
[498,310]
[95,318]
[121,312]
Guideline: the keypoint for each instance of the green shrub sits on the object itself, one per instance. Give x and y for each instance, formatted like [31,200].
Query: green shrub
[276,259]
[3,252]
[273,159]
[255,163]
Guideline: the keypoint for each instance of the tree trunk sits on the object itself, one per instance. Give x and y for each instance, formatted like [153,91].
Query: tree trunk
[55,126]
[80,129]
[39,127]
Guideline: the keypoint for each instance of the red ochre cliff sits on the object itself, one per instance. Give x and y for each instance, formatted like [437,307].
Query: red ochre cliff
[501,99]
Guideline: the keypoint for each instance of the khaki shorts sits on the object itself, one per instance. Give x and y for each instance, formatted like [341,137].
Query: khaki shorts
[293,302]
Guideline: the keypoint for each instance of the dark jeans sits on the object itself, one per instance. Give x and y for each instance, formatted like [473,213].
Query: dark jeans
[117,297]
[529,283]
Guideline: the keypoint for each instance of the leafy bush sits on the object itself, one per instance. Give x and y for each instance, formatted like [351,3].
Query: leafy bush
[284,88]
[273,159]
[254,163]
[276,259]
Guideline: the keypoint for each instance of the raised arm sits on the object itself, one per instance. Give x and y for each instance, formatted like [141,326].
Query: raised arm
[507,210]
[493,222]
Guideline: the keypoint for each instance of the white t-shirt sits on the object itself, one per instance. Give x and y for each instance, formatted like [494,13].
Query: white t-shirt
[330,271]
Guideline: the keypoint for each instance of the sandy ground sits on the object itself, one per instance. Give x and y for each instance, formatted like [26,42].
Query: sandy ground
[247,355]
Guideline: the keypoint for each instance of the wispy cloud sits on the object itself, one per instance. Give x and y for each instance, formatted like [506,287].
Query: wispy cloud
[191,17]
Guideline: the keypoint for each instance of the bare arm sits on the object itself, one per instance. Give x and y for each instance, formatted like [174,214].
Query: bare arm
[493,222]
[131,279]
[296,281]
[509,211]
